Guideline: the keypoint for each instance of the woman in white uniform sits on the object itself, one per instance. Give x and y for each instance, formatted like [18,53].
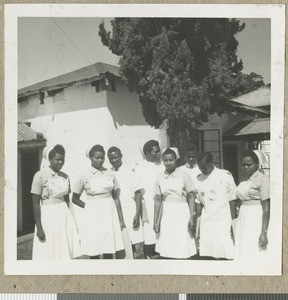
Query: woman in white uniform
[216,191]
[101,230]
[145,176]
[254,214]
[190,163]
[174,222]
[56,235]
[124,176]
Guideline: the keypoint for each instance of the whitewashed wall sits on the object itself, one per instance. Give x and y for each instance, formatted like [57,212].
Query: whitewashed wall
[79,117]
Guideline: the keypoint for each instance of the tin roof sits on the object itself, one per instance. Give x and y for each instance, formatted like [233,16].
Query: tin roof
[26,133]
[84,74]
[246,128]
[258,98]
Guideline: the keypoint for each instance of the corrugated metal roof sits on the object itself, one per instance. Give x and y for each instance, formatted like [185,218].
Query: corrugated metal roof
[26,133]
[243,128]
[83,74]
[258,98]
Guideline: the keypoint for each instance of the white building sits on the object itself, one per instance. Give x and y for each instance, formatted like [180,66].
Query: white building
[79,109]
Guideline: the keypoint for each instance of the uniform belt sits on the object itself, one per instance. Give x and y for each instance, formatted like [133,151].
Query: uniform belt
[251,202]
[98,196]
[52,201]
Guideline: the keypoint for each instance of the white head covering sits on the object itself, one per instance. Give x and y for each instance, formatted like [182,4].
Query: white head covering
[45,157]
[174,149]
[87,151]
[263,159]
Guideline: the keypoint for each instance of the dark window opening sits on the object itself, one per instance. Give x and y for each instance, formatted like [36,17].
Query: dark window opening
[96,84]
[42,97]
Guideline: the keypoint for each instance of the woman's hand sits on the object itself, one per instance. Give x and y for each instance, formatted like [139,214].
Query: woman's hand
[136,221]
[41,235]
[191,228]
[156,228]
[122,225]
[263,241]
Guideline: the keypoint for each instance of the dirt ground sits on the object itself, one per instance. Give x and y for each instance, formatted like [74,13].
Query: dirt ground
[24,250]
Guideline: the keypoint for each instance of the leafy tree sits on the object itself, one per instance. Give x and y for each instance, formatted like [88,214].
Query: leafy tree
[182,69]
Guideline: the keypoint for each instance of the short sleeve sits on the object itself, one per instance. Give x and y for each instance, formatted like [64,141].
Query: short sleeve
[157,190]
[37,184]
[264,188]
[231,187]
[79,186]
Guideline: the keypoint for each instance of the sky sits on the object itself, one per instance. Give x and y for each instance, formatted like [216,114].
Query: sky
[48,47]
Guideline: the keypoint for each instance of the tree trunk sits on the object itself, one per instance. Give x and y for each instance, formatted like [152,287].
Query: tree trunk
[181,136]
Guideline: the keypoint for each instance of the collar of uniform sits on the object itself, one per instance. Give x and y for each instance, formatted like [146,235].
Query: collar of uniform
[151,162]
[194,166]
[166,174]
[213,171]
[94,170]
[254,175]
[51,171]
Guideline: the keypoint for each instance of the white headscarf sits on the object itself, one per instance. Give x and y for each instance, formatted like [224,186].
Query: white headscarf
[174,149]
[45,163]
[263,159]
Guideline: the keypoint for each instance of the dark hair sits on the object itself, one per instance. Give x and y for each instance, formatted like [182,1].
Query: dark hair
[169,151]
[252,154]
[58,149]
[147,148]
[204,155]
[96,148]
[114,149]
[190,148]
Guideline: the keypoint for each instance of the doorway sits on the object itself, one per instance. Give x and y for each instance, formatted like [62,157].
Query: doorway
[29,166]
[230,160]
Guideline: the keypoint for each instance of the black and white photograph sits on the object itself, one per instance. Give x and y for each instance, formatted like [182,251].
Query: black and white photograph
[144,139]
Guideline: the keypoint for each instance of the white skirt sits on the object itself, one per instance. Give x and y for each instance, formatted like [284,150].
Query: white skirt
[248,231]
[129,211]
[62,240]
[100,230]
[215,235]
[174,240]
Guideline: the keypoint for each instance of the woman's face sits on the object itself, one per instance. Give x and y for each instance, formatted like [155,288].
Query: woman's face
[154,154]
[190,158]
[97,159]
[249,166]
[169,162]
[57,162]
[205,167]
[115,159]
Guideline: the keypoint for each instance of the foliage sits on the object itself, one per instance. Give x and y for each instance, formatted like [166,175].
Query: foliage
[182,69]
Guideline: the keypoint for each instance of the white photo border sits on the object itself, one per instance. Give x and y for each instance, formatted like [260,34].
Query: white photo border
[142,267]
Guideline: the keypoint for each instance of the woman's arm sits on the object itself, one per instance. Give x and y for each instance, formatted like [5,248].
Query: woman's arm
[157,209]
[138,201]
[191,203]
[263,240]
[67,200]
[76,200]
[116,195]
[37,216]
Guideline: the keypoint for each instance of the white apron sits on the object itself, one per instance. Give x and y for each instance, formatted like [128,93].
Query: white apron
[146,175]
[62,240]
[215,223]
[128,204]
[100,231]
[174,240]
[248,230]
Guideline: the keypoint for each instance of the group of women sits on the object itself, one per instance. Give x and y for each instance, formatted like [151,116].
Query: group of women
[169,208]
